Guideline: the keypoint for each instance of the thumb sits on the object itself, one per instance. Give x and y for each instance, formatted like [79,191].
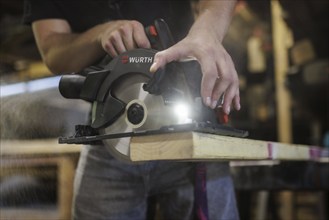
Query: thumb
[161,58]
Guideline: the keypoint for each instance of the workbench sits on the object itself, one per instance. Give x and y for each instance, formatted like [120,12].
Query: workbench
[26,157]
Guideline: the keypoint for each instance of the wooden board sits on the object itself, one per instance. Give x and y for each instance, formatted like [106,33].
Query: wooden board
[36,147]
[200,146]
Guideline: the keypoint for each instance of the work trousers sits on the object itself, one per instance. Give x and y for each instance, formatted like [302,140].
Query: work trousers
[108,189]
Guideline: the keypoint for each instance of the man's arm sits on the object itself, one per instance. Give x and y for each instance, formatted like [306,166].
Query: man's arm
[64,51]
[204,42]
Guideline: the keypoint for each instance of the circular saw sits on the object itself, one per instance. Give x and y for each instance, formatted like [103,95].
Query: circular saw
[128,100]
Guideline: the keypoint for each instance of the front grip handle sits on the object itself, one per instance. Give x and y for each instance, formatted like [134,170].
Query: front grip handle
[70,86]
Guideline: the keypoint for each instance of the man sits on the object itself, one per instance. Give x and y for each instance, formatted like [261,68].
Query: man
[72,35]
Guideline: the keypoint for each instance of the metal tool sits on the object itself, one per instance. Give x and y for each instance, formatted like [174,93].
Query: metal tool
[128,100]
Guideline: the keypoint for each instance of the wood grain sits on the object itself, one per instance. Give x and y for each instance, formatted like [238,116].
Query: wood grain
[201,146]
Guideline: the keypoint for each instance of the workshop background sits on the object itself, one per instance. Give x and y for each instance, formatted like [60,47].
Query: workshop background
[280,49]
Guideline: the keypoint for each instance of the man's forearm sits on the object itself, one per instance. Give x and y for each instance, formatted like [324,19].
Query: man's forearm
[216,14]
[71,53]
[65,52]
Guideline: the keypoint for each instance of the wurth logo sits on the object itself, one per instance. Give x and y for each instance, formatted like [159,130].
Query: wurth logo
[127,59]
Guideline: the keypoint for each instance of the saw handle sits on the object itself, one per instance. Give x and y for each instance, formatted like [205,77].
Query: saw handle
[159,35]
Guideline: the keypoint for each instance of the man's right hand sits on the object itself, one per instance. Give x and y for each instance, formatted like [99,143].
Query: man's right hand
[65,51]
[121,36]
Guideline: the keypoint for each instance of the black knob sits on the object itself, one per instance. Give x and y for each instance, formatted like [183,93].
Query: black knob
[135,113]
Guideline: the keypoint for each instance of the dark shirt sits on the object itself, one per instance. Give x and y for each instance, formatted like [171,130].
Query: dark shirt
[84,14]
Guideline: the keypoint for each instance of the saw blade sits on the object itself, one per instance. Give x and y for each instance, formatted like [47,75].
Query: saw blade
[156,114]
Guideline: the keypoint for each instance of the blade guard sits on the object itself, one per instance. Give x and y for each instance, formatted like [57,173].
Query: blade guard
[96,85]
[109,108]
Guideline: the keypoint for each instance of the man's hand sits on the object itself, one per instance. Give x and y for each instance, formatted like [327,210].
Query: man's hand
[122,36]
[204,42]
[219,74]
[58,44]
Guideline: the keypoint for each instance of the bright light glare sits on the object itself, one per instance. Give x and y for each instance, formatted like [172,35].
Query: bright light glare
[182,112]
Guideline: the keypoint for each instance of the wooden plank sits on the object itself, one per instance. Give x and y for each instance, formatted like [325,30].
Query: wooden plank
[36,147]
[201,146]
[49,213]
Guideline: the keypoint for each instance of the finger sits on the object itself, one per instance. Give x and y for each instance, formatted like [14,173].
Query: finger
[139,35]
[228,85]
[229,95]
[126,32]
[117,43]
[222,82]
[229,81]
[173,53]
[208,82]
[110,49]
[236,100]
[220,87]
